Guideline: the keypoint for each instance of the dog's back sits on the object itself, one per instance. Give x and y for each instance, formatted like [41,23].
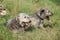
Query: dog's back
[13,25]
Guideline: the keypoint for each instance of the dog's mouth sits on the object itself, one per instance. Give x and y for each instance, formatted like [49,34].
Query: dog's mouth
[47,17]
[25,23]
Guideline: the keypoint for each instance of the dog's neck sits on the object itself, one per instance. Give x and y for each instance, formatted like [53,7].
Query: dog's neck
[39,17]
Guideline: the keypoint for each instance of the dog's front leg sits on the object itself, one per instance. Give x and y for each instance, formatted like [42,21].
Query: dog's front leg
[41,22]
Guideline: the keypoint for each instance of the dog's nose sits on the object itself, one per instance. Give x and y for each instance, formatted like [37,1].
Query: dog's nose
[30,21]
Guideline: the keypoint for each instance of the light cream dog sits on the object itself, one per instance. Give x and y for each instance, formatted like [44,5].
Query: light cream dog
[20,22]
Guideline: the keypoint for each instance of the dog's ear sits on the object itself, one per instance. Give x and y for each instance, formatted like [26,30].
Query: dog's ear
[17,17]
[42,11]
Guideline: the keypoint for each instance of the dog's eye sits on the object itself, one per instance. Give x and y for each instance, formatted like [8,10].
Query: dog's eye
[25,17]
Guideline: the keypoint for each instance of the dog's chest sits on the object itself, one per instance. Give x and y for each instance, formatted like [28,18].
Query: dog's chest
[35,21]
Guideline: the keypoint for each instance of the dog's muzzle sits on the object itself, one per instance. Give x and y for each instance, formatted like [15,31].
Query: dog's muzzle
[26,23]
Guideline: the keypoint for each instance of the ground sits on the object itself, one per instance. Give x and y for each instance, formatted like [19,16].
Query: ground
[31,6]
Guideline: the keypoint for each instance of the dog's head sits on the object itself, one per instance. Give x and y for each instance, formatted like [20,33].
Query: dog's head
[24,19]
[44,13]
[2,11]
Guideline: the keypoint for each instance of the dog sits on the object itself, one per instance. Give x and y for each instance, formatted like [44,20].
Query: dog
[39,17]
[3,11]
[20,22]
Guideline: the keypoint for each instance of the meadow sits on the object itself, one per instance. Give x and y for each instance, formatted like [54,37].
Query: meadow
[15,7]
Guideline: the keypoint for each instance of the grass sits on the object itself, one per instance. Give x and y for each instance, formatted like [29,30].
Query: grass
[31,6]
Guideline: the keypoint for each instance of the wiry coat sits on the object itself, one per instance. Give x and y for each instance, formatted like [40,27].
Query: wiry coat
[38,18]
[19,23]
[13,25]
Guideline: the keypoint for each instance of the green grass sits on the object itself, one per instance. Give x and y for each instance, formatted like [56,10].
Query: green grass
[31,6]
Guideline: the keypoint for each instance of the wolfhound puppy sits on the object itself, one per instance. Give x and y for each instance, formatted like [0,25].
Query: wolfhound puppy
[20,22]
[38,18]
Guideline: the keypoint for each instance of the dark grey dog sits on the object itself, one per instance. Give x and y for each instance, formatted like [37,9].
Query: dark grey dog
[38,18]
[20,22]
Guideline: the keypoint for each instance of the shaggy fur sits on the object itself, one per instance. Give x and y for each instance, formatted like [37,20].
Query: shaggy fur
[38,18]
[20,22]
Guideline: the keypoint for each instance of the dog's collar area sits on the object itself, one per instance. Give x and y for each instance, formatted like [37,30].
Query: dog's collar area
[39,17]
